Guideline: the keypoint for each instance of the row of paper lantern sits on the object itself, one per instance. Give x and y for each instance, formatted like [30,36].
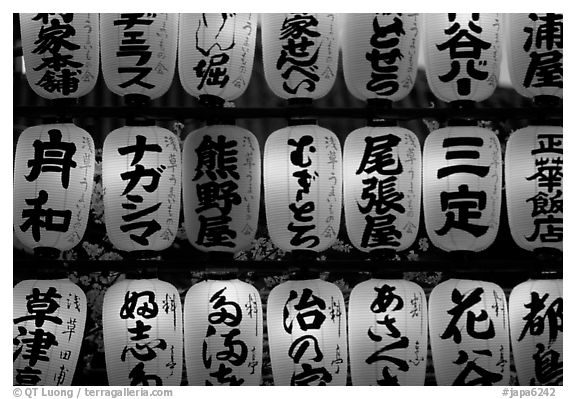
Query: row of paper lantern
[310,333]
[300,53]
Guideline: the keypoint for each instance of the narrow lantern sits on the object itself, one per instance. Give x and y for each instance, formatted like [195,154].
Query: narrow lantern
[53,180]
[48,329]
[303,187]
[142,324]
[462,55]
[300,53]
[462,188]
[382,187]
[387,333]
[536,331]
[61,53]
[216,53]
[469,333]
[221,188]
[380,54]
[306,323]
[223,334]
[533,169]
[141,174]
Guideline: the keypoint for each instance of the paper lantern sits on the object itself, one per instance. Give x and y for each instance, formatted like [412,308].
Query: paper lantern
[462,55]
[462,188]
[303,187]
[139,52]
[141,175]
[535,53]
[61,52]
[536,331]
[306,323]
[53,180]
[216,53]
[387,333]
[380,55]
[48,329]
[533,169]
[469,333]
[142,325]
[300,54]
[223,333]
[382,187]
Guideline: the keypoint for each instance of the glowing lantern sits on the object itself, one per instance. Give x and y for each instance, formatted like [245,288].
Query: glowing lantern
[462,188]
[387,333]
[380,54]
[306,323]
[303,187]
[221,188]
[48,329]
[223,340]
[533,169]
[139,52]
[462,55]
[53,180]
[216,53]
[382,160]
[536,330]
[141,175]
[142,324]
[61,52]
[300,53]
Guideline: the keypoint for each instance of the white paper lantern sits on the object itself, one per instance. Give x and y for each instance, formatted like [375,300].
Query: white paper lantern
[141,175]
[462,55]
[142,325]
[469,333]
[216,53]
[221,188]
[53,180]
[534,44]
[462,188]
[223,333]
[139,52]
[388,333]
[380,54]
[48,329]
[533,169]
[300,54]
[303,187]
[306,323]
[382,187]
[61,53]
[536,331]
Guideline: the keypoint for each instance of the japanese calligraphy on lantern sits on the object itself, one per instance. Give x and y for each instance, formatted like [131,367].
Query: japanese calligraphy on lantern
[462,55]
[536,330]
[469,333]
[380,54]
[142,324]
[462,188]
[216,53]
[303,187]
[61,52]
[48,329]
[141,174]
[300,54]
[534,189]
[53,180]
[223,333]
[388,328]
[221,188]
[306,323]
[382,185]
